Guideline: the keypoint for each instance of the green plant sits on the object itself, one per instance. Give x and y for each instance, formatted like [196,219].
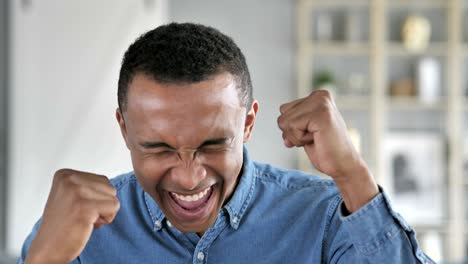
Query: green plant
[323,77]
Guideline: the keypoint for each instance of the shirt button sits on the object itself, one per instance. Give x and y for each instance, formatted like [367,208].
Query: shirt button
[200,256]
[235,219]
[169,223]
[157,224]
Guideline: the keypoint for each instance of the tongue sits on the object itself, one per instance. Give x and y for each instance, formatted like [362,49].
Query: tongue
[193,204]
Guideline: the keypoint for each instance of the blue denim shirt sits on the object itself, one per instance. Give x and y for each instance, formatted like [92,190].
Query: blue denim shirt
[274,216]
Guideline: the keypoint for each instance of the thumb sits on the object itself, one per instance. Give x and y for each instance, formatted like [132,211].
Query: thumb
[100,222]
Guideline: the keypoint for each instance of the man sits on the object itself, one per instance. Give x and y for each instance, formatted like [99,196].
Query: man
[185,111]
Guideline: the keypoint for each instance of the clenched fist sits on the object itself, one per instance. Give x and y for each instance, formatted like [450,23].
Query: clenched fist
[314,122]
[78,202]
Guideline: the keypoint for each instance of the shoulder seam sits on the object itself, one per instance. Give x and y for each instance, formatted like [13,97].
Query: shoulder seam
[310,183]
[123,182]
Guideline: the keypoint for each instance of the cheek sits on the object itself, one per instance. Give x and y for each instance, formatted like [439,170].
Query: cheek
[148,172]
[228,167]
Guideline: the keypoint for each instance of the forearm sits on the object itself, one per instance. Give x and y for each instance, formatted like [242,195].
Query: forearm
[357,188]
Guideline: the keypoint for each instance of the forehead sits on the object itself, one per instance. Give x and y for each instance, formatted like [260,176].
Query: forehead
[219,89]
[178,111]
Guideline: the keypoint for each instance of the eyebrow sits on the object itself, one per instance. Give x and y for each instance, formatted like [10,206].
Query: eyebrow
[152,145]
[214,141]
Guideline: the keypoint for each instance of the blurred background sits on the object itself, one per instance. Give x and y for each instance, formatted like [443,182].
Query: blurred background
[397,69]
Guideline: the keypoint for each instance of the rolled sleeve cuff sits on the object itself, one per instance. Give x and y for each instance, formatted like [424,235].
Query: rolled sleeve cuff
[376,225]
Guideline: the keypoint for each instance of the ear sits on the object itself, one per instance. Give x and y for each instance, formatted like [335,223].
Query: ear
[121,121]
[250,121]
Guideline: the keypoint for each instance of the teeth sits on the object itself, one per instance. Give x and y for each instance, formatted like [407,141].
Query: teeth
[193,197]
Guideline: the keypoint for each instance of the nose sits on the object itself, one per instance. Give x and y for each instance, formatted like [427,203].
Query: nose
[186,156]
[189,173]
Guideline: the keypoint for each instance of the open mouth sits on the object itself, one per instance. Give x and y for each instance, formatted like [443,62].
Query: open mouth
[192,206]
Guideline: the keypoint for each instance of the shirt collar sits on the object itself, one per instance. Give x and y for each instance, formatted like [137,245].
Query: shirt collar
[236,206]
[155,212]
[242,195]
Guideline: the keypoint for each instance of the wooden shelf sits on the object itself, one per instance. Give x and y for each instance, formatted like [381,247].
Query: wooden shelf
[353,102]
[417,3]
[465,103]
[339,48]
[415,104]
[434,49]
[337,3]
[465,49]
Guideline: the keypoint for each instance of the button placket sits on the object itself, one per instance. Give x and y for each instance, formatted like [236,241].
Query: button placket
[200,256]
[157,224]
[201,251]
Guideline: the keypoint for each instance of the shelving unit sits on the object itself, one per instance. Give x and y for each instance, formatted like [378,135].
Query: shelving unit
[434,49]
[332,48]
[380,55]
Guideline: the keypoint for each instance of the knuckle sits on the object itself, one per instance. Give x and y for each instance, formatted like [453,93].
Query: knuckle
[322,97]
[63,171]
[325,105]
[61,174]
[323,93]
[281,122]
[282,108]
[64,182]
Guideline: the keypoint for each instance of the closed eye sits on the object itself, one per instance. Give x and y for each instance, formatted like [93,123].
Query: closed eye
[164,152]
[213,148]
[217,143]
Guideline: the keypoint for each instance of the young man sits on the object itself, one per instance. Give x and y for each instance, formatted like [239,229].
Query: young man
[185,111]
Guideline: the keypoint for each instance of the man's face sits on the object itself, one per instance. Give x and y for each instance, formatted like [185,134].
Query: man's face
[186,144]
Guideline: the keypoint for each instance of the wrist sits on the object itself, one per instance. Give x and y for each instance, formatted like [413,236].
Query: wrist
[40,253]
[357,188]
[33,258]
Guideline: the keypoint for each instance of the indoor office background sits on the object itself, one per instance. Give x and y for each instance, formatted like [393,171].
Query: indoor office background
[397,69]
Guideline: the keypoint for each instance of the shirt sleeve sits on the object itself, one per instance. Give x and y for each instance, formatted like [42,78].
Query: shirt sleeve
[373,234]
[27,245]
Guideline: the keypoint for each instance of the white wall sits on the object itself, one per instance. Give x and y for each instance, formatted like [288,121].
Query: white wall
[264,31]
[65,60]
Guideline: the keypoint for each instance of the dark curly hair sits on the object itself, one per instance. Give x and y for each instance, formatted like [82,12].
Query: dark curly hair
[184,53]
